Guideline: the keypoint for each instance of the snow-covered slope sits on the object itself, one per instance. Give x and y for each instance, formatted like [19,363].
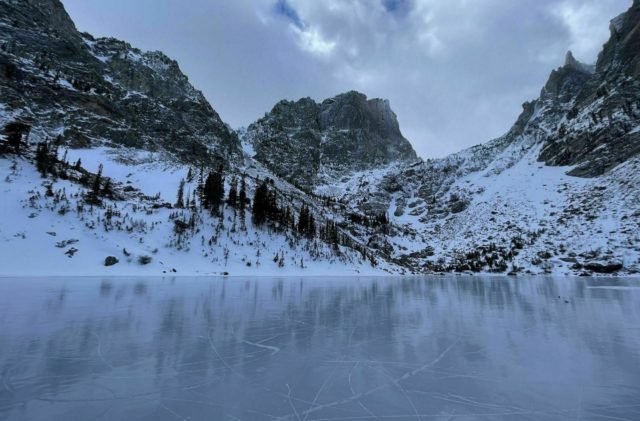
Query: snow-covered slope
[47,228]
[534,218]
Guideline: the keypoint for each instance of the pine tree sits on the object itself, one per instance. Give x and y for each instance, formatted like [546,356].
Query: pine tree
[194,203]
[107,189]
[98,180]
[260,203]
[200,188]
[232,199]
[311,226]
[272,210]
[303,220]
[42,158]
[96,190]
[14,132]
[242,203]
[214,191]
[306,226]
[242,197]
[180,198]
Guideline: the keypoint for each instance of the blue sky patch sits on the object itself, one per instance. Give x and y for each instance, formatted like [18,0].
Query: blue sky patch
[399,8]
[283,8]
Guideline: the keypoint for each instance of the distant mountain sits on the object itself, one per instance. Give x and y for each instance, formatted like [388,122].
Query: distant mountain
[100,91]
[309,143]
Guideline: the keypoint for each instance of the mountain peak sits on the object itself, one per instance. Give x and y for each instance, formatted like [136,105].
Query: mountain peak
[570,62]
[345,133]
[570,59]
[49,13]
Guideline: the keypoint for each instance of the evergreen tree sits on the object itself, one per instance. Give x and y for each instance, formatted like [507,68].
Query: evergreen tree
[242,203]
[96,190]
[107,189]
[180,198]
[272,209]
[260,204]
[200,188]
[303,220]
[98,180]
[242,197]
[14,132]
[311,226]
[214,191]
[306,223]
[194,203]
[232,199]
[42,158]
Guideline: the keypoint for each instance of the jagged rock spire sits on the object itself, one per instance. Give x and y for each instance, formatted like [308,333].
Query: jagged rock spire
[569,60]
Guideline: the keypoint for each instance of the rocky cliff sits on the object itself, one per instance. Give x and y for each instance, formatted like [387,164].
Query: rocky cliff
[93,91]
[310,143]
[596,111]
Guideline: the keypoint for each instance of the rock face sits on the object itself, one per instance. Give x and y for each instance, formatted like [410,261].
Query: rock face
[304,141]
[91,91]
[596,110]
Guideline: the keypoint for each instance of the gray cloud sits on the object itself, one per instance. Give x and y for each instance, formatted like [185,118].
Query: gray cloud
[456,71]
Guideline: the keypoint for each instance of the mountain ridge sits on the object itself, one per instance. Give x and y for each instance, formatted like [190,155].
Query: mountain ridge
[126,97]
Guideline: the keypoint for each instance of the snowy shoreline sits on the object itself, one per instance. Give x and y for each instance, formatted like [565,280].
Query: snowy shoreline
[308,276]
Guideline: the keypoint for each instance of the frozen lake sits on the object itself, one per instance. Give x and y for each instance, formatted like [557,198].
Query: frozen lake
[308,349]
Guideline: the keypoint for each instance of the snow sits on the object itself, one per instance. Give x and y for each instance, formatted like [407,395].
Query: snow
[529,196]
[66,84]
[148,171]
[35,236]
[248,149]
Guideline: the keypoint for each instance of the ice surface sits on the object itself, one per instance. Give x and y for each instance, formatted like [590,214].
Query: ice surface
[319,349]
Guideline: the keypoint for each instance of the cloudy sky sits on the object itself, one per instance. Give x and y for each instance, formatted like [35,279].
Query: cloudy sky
[456,71]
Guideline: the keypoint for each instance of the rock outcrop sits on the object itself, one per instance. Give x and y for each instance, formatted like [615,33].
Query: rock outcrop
[596,111]
[91,91]
[304,141]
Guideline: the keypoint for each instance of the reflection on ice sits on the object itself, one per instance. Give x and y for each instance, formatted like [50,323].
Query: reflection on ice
[319,349]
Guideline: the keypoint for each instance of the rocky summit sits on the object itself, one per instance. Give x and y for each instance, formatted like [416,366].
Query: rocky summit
[310,143]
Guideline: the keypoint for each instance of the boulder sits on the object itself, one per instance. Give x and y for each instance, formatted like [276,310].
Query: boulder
[604,267]
[111,261]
